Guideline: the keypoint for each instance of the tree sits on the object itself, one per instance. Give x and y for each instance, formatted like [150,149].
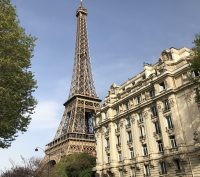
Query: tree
[77,163]
[29,168]
[16,80]
[195,65]
[74,165]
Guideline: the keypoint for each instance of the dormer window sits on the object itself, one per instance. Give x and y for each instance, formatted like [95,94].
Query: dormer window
[138,99]
[152,93]
[117,110]
[126,105]
[162,86]
[140,117]
[144,77]
[128,121]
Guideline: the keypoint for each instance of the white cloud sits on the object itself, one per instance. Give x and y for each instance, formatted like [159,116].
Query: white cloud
[46,116]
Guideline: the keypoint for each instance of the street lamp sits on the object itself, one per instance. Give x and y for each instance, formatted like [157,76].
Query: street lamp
[37,149]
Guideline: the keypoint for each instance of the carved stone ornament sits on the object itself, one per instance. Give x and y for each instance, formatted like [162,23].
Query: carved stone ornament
[197,137]
[121,123]
[145,114]
[133,119]
[159,107]
[171,102]
[188,98]
[109,128]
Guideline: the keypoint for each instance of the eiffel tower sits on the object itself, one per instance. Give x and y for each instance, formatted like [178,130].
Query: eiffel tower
[75,132]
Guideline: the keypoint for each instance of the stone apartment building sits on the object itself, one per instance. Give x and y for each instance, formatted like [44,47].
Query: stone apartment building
[149,126]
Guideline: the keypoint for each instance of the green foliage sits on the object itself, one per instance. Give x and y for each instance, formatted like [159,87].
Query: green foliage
[74,165]
[58,170]
[86,173]
[195,64]
[16,80]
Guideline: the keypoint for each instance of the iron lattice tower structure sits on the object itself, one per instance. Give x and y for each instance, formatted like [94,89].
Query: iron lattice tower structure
[75,132]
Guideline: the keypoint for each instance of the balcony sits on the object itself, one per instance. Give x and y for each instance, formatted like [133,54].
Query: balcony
[155,116]
[179,171]
[170,131]
[128,126]
[173,152]
[118,146]
[163,174]
[166,109]
[130,143]
[142,138]
[157,136]
[140,121]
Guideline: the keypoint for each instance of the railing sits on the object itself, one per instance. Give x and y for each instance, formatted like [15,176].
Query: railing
[157,135]
[166,109]
[142,137]
[71,136]
[170,130]
[154,116]
[140,121]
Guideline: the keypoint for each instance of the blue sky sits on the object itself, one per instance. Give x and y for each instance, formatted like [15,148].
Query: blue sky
[122,35]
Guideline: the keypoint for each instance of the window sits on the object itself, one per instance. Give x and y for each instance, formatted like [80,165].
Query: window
[129,136]
[138,99]
[169,122]
[166,105]
[108,156]
[173,142]
[160,146]
[107,143]
[128,121]
[118,140]
[103,115]
[120,155]
[140,117]
[147,170]
[145,150]
[178,165]
[117,127]
[69,114]
[117,110]
[132,172]
[154,111]
[121,174]
[126,105]
[162,86]
[131,153]
[142,131]
[157,127]
[163,168]
[152,93]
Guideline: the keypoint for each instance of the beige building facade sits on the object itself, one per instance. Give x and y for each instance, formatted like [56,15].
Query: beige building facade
[150,125]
